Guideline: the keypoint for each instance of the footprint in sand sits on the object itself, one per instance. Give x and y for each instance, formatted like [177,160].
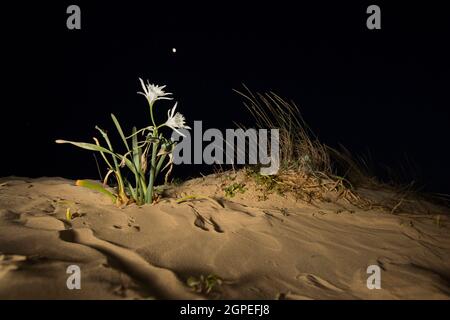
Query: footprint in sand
[39,220]
[9,215]
[31,221]
[317,282]
[205,223]
[230,220]
[9,263]
[241,208]
[129,226]
[293,296]
[44,223]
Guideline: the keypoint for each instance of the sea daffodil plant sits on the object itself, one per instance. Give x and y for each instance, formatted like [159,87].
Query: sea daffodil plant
[148,153]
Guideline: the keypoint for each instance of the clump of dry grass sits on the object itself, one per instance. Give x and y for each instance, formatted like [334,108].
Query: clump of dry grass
[299,147]
[313,171]
[306,165]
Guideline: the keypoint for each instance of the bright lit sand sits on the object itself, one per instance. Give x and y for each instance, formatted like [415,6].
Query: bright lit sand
[277,248]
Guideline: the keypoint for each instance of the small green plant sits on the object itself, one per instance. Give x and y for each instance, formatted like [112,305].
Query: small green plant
[268,182]
[145,157]
[232,189]
[204,284]
[265,183]
[68,214]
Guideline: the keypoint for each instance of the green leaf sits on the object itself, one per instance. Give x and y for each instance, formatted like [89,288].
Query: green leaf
[87,146]
[136,151]
[132,191]
[95,186]
[119,129]
[128,163]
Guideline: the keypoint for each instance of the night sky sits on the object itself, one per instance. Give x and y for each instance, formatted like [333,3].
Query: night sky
[379,92]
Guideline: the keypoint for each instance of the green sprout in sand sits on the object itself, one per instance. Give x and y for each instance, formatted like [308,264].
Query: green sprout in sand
[148,153]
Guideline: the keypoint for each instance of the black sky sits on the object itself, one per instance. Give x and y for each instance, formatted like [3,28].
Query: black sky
[383,92]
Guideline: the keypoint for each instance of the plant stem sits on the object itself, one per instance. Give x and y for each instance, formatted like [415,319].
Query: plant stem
[151,115]
[149,193]
[149,198]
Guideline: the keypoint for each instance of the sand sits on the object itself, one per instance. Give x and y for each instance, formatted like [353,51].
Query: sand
[277,248]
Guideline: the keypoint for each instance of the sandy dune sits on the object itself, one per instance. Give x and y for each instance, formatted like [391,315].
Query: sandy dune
[273,249]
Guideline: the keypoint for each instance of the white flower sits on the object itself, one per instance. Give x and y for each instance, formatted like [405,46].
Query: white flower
[153,92]
[176,120]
